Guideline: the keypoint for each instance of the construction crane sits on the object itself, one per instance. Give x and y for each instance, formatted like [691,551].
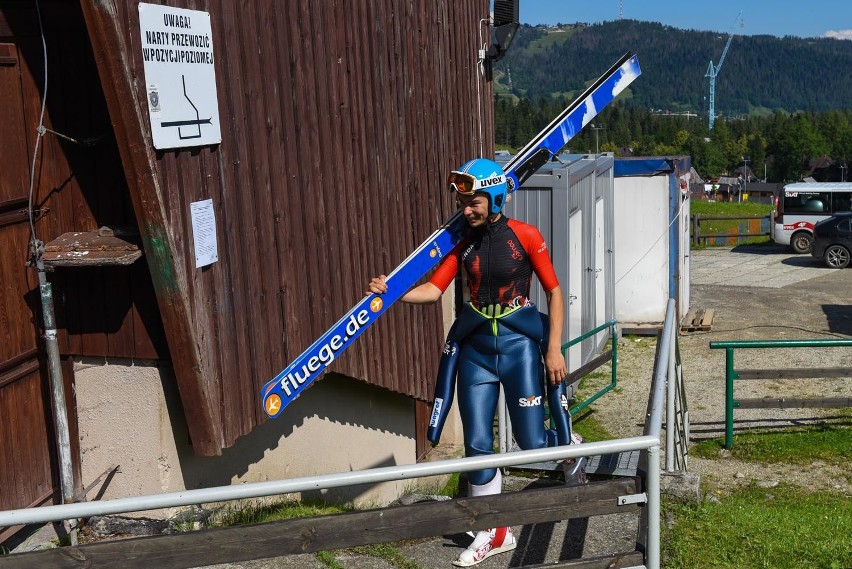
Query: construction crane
[713,71]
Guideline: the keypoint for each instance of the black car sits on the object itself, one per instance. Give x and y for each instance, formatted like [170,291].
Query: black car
[833,240]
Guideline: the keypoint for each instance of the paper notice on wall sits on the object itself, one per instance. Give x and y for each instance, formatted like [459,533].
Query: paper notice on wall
[204,233]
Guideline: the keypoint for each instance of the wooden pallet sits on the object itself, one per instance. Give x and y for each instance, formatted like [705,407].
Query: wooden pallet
[697,319]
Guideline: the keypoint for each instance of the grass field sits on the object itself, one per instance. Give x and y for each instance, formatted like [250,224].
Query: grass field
[776,528]
[782,527]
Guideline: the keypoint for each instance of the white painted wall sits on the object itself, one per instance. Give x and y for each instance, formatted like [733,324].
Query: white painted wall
[129,415]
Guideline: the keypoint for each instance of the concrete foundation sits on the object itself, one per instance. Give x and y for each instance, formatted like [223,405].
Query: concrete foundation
[130,416]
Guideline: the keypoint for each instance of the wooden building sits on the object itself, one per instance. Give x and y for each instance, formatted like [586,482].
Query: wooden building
[339,122]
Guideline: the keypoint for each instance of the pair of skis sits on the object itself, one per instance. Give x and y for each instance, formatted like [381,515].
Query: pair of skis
[288,384]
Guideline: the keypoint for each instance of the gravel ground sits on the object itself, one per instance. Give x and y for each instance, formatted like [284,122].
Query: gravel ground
[758,293]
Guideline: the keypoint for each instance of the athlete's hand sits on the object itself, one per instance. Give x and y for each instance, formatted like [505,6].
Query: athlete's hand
[377,285]
[554,363]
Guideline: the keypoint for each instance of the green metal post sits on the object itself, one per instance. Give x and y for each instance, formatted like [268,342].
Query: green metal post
[729,398]
[614,339]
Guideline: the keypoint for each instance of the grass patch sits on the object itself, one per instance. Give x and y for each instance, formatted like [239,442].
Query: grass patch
[781,528]
[451,488]
[551,37]
[588,426]
[829,442]
[586,423]
[388,553]
[729,208]
[328,559]
[256,514]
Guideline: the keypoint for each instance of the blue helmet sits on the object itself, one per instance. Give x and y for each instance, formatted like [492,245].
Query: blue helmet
[481,176]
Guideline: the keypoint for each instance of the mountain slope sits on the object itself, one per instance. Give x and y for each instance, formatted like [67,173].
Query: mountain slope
[761,74]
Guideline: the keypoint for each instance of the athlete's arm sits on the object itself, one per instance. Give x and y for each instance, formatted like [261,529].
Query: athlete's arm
[425,293]
[554,363]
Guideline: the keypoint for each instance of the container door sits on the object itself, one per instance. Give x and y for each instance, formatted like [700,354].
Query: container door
[601,275]
[574,294]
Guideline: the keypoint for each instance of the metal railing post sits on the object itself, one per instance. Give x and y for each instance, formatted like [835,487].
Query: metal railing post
[729,398]
[671,415]
[652,552]
[613,378]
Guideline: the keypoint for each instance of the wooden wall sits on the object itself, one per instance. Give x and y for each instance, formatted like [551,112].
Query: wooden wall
[340,121]
[78,184]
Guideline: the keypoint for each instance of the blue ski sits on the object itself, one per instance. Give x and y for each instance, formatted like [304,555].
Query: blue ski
[288,385]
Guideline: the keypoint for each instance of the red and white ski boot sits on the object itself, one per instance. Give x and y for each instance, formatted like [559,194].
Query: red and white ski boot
[487,543]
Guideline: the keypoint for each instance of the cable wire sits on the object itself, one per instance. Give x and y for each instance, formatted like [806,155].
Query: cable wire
[40,133]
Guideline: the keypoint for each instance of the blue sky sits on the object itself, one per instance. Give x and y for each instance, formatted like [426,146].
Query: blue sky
[803,18]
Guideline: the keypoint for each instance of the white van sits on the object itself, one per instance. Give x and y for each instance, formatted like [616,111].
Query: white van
[799,206]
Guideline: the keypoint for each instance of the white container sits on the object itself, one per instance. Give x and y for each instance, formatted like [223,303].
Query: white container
[652,208]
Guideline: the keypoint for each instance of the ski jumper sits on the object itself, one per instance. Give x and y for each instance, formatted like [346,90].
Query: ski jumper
[498,336]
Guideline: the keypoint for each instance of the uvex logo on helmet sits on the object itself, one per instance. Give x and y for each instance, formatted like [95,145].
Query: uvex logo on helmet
[493,181]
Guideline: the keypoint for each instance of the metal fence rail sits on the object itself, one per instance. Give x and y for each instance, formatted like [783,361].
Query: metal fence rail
[732,374]
[608,356]
[697,236]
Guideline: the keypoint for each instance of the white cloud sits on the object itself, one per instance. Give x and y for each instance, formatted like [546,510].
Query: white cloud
[839,34]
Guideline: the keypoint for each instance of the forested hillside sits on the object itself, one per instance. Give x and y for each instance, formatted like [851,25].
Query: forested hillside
[760,75]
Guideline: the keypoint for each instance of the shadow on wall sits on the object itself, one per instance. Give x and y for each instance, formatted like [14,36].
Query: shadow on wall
[321,430]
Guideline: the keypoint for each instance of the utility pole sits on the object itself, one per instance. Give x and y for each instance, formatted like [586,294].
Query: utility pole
[746,160]
[597,128]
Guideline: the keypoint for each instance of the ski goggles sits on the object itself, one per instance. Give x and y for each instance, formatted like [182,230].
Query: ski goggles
[461,183]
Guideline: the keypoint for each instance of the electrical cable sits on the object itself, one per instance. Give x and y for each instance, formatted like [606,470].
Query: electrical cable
[718,331]
[35,243]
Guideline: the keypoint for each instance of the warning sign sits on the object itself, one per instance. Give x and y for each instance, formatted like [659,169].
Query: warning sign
[180,76]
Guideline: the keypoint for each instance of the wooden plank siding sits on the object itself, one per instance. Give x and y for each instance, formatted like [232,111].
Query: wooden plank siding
[79,186]
[340,122]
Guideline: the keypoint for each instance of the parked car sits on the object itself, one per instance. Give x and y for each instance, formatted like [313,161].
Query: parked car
[833,240]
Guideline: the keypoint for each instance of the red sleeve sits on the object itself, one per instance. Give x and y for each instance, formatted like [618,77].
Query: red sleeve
[448,268]
[536,248]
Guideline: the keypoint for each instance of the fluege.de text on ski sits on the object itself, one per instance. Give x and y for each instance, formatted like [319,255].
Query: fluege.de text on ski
[324,355]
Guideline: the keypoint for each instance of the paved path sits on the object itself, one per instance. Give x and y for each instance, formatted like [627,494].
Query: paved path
[770,266]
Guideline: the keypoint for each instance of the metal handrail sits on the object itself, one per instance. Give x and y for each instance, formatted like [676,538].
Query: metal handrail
[731,374]
[613,334]
[321,482]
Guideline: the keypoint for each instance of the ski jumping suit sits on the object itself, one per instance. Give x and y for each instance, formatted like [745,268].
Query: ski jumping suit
[498,338]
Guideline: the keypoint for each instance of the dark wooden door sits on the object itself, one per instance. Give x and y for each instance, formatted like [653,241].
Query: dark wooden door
[25,426]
